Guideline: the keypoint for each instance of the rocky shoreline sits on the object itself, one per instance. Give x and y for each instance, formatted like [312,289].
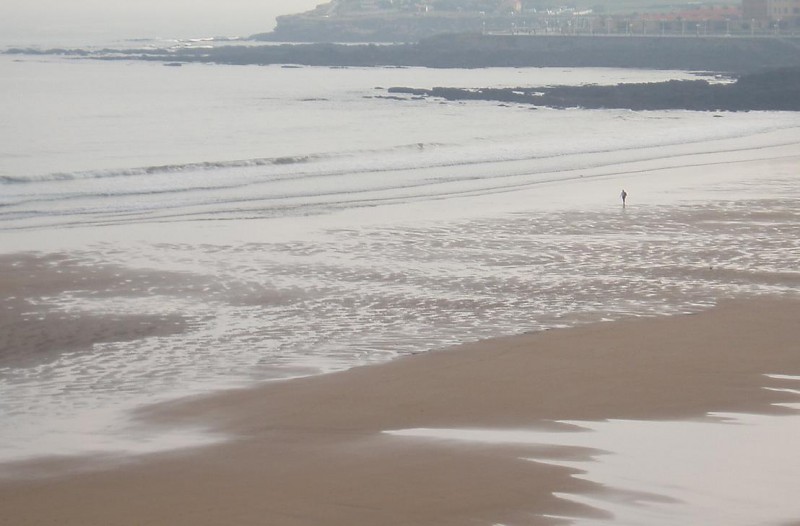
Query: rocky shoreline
[767,69]
[730,55]
[777,90]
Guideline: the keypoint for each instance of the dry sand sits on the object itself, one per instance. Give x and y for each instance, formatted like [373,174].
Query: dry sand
[310,451]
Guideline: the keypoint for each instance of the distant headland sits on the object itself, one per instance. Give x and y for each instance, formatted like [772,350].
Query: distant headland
[736,55]
[761,53]
[413,20]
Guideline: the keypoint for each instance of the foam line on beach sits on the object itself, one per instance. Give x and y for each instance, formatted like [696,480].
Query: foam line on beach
[783,377]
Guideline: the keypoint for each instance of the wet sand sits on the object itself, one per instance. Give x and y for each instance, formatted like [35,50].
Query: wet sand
[32,331]
[312,451]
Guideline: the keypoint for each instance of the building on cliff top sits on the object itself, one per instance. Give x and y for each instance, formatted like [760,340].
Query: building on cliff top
[777,15]
[412,20]
[771,10]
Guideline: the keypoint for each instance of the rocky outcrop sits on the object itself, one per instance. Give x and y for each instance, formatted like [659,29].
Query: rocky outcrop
[777,90]
[720,54]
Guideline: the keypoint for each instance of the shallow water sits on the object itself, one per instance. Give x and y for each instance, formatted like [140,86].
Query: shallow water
[297,224]
[735,469]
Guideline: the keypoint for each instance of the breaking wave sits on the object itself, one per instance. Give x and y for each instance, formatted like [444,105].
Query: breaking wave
[312,183]
[160,169]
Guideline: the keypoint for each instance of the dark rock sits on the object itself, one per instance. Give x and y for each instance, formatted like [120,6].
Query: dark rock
[776,90]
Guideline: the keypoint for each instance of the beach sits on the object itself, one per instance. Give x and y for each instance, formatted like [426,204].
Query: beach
[267,296]
[673,398]
[314,451]
[624,417]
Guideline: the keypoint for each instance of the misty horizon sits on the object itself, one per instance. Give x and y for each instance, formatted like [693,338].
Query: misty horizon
[50,22]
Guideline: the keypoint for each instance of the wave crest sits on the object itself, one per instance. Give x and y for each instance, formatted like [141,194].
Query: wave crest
[158,169]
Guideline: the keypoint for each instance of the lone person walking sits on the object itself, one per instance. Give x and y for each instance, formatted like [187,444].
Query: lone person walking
[623,195]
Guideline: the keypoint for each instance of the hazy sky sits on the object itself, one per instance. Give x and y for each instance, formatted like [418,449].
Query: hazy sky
[73,21]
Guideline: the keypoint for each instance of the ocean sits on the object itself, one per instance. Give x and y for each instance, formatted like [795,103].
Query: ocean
[299,220]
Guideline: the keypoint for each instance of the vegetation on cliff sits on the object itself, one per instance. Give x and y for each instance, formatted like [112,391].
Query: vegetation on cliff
[413,20]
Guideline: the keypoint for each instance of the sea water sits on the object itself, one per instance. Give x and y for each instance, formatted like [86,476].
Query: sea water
[315,223]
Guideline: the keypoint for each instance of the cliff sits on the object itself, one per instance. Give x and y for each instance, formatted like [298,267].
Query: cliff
[378,27]
[414,20]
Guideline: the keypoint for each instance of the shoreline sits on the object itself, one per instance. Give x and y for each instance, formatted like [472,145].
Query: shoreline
[314,450]
[473,50]
[332,449]
[153,274]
